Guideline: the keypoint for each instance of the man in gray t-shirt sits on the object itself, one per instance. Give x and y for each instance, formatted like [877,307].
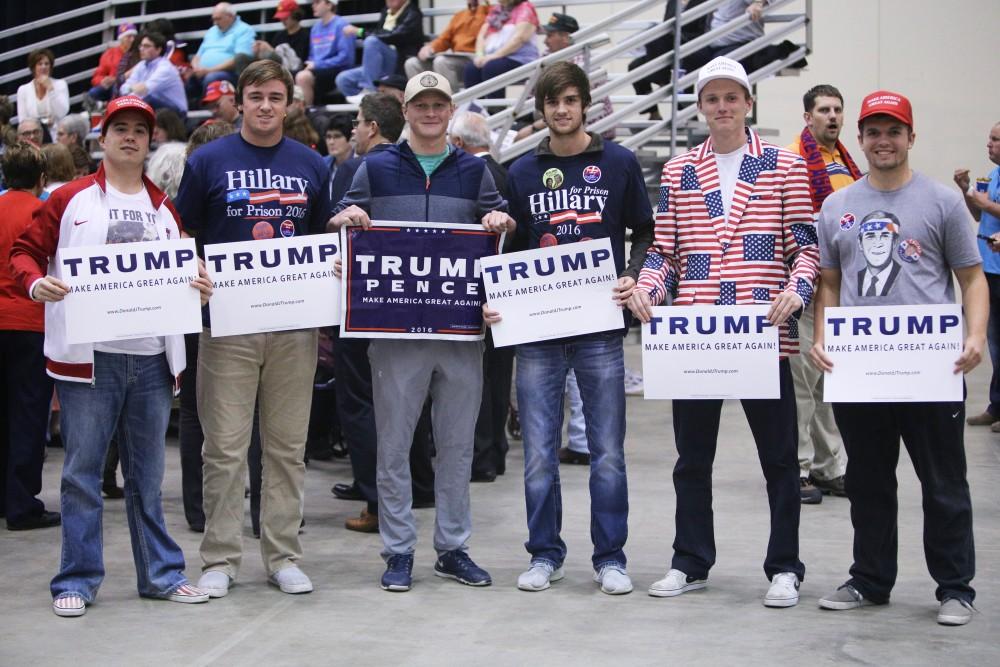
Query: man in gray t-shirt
[896,246]
[894,238]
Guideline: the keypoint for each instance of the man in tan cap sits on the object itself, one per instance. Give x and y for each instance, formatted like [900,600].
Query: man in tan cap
[427,174]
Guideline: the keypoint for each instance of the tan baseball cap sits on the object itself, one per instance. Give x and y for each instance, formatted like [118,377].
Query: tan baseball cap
[424,82]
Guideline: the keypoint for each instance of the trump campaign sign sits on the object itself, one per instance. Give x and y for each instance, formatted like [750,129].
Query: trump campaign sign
[710,352]
[130,290]
[893,354]
[414,280]
[274,284]
[552,292]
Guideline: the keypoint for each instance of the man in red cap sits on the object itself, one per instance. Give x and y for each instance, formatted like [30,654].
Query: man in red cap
[891,203]
[220,99]
[123,386]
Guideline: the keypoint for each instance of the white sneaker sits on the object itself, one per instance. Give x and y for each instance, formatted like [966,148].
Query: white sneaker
[539,576]
[613,580]
[675,583]
[356,99]
[291,580]
[784,590]
[215,583]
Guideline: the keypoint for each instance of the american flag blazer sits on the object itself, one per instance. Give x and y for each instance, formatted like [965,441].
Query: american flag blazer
[768,244]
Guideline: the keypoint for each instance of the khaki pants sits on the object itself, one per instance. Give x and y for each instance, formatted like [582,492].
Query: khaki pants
[449,66]
[233,371]
[821,451]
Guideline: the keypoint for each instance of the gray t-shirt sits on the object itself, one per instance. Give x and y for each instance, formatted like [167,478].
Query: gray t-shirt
[896,247]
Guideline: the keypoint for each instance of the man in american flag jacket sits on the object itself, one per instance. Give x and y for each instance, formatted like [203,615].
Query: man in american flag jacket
[733,226]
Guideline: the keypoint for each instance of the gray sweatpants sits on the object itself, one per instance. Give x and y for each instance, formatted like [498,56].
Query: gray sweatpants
[403,372]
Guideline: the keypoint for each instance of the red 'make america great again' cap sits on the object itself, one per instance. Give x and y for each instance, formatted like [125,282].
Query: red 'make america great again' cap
[128,103]
[888,103]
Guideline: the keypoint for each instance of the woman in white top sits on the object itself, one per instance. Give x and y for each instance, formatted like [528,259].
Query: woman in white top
[43,97]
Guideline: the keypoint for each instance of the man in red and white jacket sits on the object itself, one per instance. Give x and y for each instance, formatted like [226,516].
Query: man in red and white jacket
[733,226]
[122,384]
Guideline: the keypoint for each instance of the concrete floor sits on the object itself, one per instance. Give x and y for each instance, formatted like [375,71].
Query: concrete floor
[349,620]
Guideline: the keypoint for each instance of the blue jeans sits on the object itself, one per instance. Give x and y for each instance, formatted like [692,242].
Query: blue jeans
[541,376]
[476,75]
[377,60]
[133,393]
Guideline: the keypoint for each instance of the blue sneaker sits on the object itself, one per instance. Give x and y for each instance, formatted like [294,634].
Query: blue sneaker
[397,575]
[457,565]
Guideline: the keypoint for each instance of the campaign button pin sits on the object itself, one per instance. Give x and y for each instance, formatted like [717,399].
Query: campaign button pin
[592,173]
[847,221]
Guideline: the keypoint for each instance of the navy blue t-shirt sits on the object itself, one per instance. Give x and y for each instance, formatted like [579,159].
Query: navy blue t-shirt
[592,195]
[234,191]
[595,194]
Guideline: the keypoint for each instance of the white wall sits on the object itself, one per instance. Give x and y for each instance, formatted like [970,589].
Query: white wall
[941,55]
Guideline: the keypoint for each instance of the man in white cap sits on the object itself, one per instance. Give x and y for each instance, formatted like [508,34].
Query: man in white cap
[425,173]
[734,226]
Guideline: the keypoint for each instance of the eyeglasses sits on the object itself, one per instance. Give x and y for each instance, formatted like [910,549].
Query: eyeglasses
[30,133]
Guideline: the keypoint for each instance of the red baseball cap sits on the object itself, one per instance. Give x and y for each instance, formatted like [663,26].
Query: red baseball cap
[128,103]
[888,103]
[285,9]
[217,89]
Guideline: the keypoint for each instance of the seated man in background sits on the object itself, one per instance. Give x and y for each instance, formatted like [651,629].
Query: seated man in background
[220,99]
[72,130]
[451,51]
[216,57]
[290,46]
[398,35]
[155,79]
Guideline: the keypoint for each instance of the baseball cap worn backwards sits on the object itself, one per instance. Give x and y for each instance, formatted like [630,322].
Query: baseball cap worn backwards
[722,68]
[425,82]
[128,103]
[888,103]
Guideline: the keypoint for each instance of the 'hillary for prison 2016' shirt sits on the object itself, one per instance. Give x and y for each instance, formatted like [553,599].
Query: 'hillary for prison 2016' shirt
[234,191]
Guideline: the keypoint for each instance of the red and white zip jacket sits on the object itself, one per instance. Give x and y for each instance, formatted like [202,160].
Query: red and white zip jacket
[77,215]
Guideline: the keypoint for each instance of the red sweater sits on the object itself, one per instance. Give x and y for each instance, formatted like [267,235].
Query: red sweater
[107,65]
[17,311]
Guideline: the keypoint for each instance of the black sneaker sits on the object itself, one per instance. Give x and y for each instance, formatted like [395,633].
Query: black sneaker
[458,566]
[828,486]
[809,494]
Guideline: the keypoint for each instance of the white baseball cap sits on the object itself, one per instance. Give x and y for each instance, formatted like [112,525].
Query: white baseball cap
[722,68]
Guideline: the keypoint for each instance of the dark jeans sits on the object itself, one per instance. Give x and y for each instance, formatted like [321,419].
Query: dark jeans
[490,444]
[696,430]
[933,435]
[25,394]
[356,411]
[474,75]
[993,340]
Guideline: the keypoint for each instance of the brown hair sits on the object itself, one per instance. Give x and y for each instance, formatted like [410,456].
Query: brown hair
[58,163]
[262,71]
[81,158]
[557,78]
[23,164]
[37,55]
[298,127]
[384,109]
